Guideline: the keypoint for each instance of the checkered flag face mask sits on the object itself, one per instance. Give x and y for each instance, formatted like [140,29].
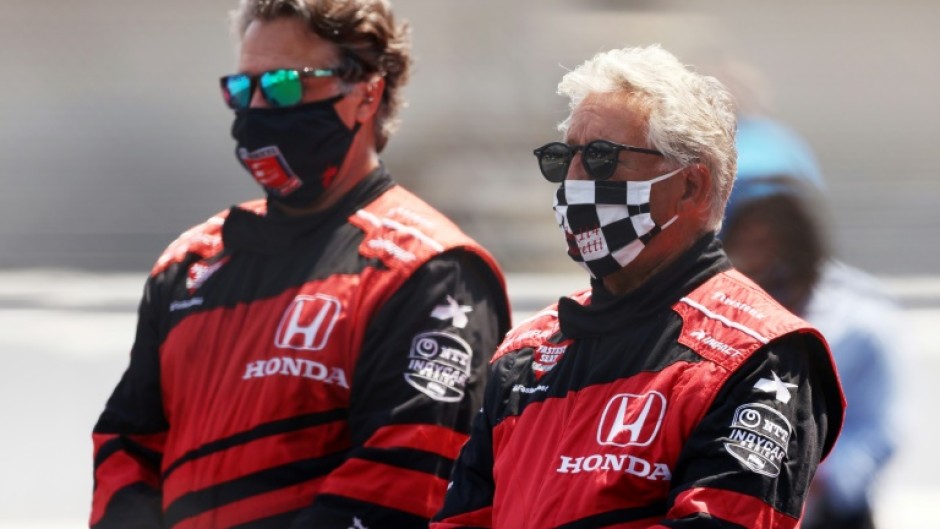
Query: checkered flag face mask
[606,224]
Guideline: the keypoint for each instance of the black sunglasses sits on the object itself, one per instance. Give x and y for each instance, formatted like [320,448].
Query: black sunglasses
[283,87]
[598,157]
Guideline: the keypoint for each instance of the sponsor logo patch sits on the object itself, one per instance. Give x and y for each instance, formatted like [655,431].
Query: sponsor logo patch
[200,272]
[779,388]
[704,338]
[185,304]
[740,305]
[519,388]
[439,365]
[452,311]
[307,323]
[546,356]
[758,438]
[631,420]
[391,249]
[269,168]
[357,523]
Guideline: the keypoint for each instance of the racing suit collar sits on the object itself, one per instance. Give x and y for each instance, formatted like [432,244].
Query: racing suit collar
[608,312]
[274,232]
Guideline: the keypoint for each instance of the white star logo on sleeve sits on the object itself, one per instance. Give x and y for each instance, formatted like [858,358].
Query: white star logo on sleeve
[452,311]
[781,388]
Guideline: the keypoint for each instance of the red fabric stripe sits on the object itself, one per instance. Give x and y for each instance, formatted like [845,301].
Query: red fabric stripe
[429,438]
[247,403]
[153,442]
[254,456]
[115,473]
[100,439]
[408,490]
[262,505]
[744,510]
[478,518]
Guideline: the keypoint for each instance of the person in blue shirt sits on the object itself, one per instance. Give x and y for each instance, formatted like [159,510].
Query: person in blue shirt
[775,232]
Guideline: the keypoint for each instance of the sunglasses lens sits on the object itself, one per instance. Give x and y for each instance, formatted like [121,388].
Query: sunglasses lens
[554,159]
[600,159]
[236,89]
[282,88]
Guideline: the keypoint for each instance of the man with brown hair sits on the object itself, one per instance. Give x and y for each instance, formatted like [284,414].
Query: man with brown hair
[312,359]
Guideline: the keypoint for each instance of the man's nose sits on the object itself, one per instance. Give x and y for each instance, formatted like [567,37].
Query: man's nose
[576,169]
[257,99]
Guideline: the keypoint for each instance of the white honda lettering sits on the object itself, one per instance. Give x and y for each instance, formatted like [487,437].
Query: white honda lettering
[614,462]
[296,367]
[570,465]
[626,464]
[254,369]
[272,366]
[314,370]
[592,463]
[291,366]
[660,472]
[638,467]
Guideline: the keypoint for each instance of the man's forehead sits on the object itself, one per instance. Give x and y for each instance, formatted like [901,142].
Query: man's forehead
[616,116]
[284,43]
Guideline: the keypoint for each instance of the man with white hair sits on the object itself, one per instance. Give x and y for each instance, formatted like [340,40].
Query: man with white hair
[674,392]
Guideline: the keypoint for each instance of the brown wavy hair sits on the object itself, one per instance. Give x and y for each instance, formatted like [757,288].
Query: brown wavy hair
[369,42]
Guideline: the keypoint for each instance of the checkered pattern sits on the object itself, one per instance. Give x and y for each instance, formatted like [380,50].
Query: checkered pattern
[606,224]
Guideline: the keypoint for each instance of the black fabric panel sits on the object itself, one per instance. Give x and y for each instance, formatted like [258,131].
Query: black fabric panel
[385,397]
[615,195]
[410,459]
[337,512]
[272,428]
[278,521]
[701,521]
[619,234]
[268,480]
[263,253]
[134,449]
[705,462]
[605,519]
[136,404]
[136,506]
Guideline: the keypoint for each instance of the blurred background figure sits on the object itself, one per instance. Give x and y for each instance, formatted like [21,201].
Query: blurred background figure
[775,231]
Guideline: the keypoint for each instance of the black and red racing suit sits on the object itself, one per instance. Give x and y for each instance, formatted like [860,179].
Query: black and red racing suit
[695,401]
[301,372]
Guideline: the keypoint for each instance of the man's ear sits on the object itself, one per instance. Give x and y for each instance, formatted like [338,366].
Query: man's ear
[372,92]
[696,190]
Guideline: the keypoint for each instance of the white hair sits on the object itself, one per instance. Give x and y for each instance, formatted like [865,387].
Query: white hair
[691,116]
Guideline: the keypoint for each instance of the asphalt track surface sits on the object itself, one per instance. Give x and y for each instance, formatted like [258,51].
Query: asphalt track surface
[65,336]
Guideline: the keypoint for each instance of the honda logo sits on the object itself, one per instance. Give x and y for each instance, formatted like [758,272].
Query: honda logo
[308,322]
[632,420]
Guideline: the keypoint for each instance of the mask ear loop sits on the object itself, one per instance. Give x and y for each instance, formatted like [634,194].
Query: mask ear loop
[665,176]
[663,226]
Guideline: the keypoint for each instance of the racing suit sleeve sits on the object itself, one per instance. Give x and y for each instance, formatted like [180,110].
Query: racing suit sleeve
[750,460]
[418,382]
[130,434]
[469,500]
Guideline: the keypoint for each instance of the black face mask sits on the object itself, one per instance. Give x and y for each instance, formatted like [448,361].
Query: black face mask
[293,152]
